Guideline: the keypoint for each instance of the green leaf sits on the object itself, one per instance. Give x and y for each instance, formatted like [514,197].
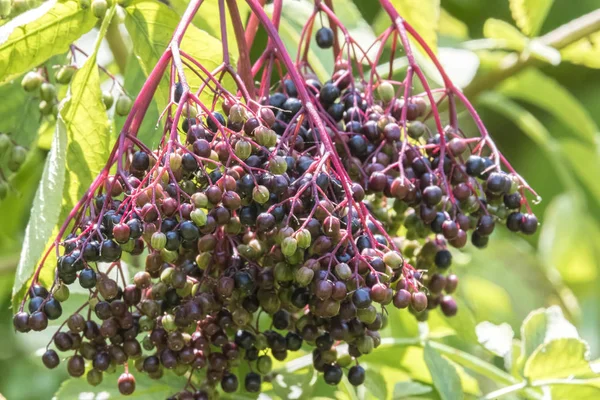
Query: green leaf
[542,326]
[496,338]
[559,358]
[452,27]
[405,389]
[44,212]
[20,115]
[375,384]
[585,161]
[151,25]
[208,18]
[145,388]
[568,240]
[508,36]
[530,14]
[463,322]
[576,389]
[585,51]
[85,121]
[33,43]
[444,375]
[488,300]
[536,88]
[422,15]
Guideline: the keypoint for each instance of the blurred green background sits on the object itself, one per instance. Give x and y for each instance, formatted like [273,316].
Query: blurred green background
[538,128]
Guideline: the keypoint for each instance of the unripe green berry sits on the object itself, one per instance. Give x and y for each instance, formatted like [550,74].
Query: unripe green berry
[62,293]
[393,259]
[199,200]
[304,238]
[243,149]
[17,158]
[65,74]
[264,364]
[367,315]
[84,4]
[5,142]
[289,246]
[174,161]
[265,136]
[108,99]
[304,276]
[198,217]
[260,194]
[237,114]
[123,106]
[32,81]
[99,8]
[261,342]
[385,91]
[94,377]
[343,271]
[203,260]
[48,92]
[168,323]
[416,129]
[45,107]
[278,165]
[158,240]
[169,256]
[365,344]
[344,361]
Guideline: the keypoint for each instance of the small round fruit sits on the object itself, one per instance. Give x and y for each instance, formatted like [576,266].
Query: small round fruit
[324,38]
[32,81]
[356,375]
[123,105]
[99,8]
[108,99]
[126,384]
[65,74]
[50,359]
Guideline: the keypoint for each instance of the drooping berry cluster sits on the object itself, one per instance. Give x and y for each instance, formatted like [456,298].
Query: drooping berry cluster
[268,226]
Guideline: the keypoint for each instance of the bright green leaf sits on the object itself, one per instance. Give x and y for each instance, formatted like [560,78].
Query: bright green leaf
[405,389]
[559,358]
[543,91]
[20,116]
[530,14]
[208,18]
[86,126]
[542,326]
[422,15]
[44,212]
[496,338]
[151,25]
[576,389]
[375,384]
[488,300]
[452,27]
[585,51]
[32,44]
[444,375]
[507,35]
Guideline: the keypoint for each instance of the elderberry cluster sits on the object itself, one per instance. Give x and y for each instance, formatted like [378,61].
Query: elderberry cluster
[268,228]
